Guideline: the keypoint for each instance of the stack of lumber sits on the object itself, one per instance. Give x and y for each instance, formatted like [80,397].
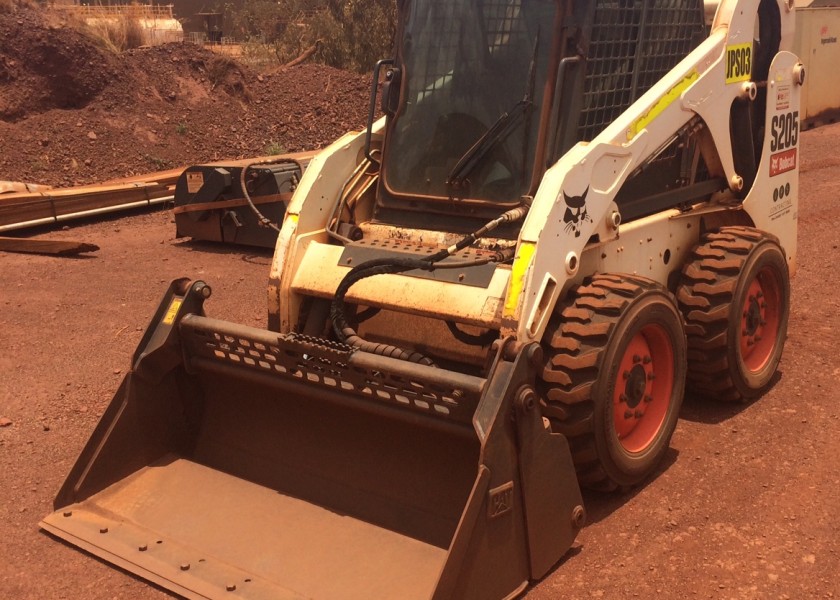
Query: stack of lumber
[28,209]
[43,206]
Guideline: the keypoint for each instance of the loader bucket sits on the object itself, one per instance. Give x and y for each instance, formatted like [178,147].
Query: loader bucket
[240,463]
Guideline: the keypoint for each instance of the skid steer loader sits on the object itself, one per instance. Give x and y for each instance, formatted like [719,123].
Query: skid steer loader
[570,211]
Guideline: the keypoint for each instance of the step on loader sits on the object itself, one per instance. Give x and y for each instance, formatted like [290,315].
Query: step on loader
[499,292]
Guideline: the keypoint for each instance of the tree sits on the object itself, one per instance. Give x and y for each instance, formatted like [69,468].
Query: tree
[349,34]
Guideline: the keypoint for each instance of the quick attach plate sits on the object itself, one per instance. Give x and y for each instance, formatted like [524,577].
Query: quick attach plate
[356,253]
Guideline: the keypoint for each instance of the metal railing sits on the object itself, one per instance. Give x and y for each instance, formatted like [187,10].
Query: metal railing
[140,11]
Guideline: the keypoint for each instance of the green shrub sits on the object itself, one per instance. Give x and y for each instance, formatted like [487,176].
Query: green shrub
[350,34]
[273,148]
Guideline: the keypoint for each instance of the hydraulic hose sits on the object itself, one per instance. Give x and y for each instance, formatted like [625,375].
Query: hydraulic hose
[388,266]
[263,220]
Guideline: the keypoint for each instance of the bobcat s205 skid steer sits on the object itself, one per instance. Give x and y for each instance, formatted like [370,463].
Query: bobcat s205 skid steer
[570,211]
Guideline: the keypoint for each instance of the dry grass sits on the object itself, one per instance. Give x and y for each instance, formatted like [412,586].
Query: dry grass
[116,34]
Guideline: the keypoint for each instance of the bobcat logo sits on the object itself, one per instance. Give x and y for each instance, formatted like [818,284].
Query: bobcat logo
[576,213]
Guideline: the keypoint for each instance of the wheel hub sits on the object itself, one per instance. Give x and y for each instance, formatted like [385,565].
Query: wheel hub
[634,388]
[760,321]
[641,396]
[752,316]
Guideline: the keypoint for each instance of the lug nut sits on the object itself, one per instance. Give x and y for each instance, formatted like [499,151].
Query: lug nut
[230,587]
[103,530]
[185,566]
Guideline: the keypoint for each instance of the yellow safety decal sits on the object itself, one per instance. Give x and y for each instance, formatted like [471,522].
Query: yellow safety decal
[292,217]
[517,277]
[169,318]
[739,62]
[664,102]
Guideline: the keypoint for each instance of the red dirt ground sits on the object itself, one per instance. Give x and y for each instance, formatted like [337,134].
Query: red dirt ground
[745,506]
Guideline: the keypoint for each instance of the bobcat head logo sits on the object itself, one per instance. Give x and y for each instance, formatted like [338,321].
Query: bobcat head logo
[576,213]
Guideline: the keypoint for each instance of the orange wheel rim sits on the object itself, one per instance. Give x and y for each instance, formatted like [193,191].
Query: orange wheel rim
[644,388]
[760,317]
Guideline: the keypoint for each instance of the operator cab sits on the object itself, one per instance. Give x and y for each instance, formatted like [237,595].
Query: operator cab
[485,95]
[473,77]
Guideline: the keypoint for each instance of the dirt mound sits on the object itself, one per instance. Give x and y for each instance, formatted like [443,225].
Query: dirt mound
[74,114]
[44,67]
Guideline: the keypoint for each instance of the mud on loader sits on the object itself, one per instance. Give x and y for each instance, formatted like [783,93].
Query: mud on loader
[570,211]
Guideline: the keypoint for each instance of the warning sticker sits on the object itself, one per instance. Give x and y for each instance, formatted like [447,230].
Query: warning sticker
[195,180]
[739,62]
[783,97]
[172,311]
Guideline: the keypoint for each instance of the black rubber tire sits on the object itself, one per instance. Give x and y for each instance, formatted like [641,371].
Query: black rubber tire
[713,296]
[586,341]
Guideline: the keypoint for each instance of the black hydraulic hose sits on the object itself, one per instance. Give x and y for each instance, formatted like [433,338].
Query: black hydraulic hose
[263,220]
[379,266]
[389,266]
[484,339]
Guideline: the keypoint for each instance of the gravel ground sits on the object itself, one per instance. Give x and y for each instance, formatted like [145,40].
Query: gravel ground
[745,505]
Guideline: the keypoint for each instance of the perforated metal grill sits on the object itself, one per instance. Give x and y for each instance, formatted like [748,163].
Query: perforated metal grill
[632,45]
[502,23]
[322,363]
[502,26]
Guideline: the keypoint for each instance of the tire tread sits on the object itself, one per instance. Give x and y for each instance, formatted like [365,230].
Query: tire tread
[707,289]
